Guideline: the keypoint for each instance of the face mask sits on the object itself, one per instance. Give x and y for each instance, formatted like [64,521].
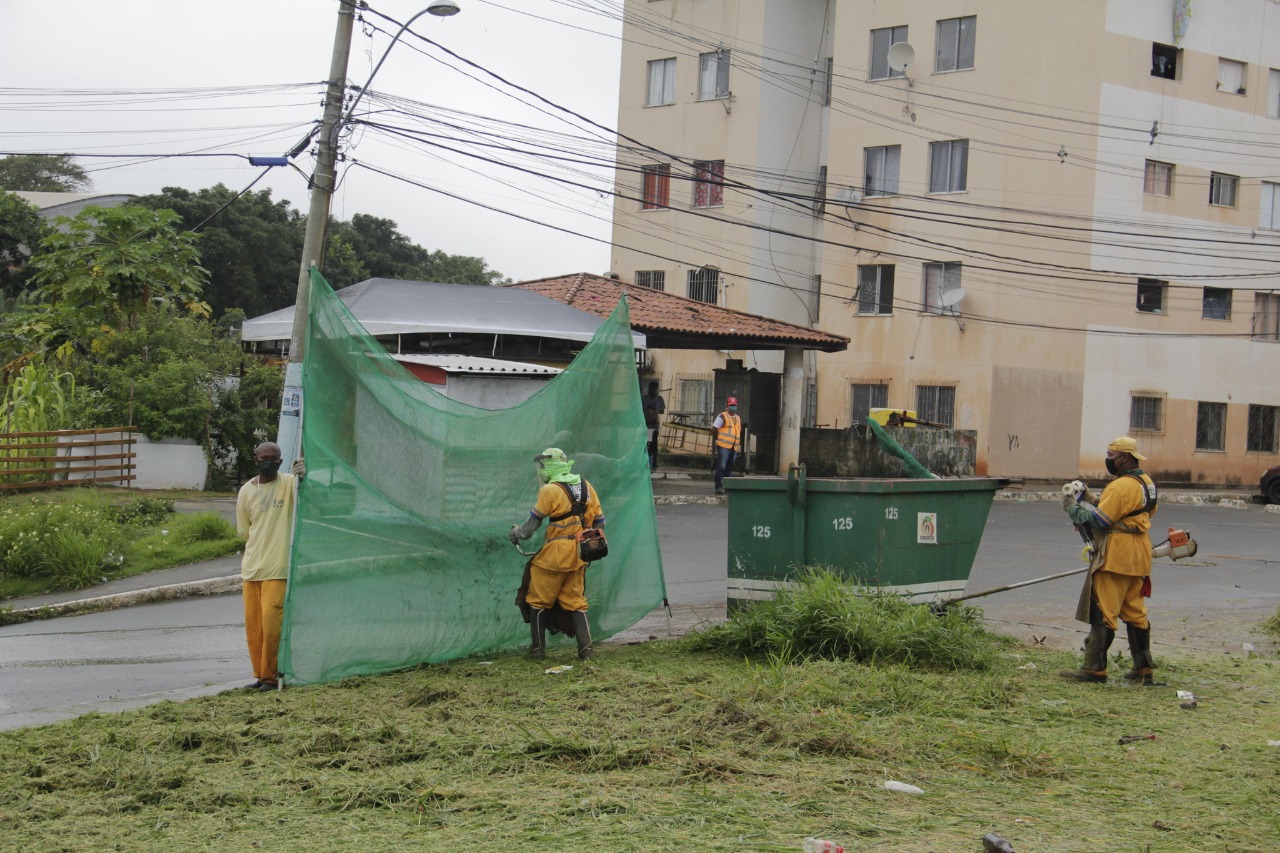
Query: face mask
[1111,466]
[733,410]
[268,467]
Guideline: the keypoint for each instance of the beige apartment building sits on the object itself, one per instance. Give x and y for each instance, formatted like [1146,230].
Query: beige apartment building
[1051,223]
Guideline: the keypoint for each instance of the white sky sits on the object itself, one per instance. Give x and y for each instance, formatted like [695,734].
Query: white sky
[567,55]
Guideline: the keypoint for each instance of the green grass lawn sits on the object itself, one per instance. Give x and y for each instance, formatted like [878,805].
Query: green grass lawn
[659,747]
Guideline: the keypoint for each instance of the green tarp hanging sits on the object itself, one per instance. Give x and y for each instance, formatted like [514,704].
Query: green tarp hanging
[400,550]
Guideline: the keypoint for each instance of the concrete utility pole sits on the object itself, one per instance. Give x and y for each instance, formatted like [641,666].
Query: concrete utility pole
[289,434]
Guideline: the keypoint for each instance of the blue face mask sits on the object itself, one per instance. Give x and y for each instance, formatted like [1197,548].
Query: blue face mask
[733,410]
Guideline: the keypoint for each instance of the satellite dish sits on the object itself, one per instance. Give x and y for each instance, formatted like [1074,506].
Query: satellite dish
[952,298]
[901,55]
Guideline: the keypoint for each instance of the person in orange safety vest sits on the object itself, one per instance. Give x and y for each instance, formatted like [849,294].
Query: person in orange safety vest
[727,429]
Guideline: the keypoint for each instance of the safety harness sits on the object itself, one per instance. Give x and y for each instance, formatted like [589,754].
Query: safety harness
[591,541]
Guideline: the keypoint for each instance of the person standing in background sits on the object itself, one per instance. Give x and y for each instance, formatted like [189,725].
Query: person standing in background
[727,430]
[654,408]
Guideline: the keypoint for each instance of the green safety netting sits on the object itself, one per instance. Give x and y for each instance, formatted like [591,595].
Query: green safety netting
[400,552]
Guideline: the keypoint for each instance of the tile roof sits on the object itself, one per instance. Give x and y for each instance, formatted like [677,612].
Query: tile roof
[674,322]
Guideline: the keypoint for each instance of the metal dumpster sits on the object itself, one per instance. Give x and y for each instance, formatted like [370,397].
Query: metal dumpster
[915,537]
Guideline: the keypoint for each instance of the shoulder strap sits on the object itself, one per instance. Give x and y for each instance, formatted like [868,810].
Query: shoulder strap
[577,507]
[1150,497]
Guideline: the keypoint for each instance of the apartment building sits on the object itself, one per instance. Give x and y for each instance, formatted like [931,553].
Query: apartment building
[1051,223]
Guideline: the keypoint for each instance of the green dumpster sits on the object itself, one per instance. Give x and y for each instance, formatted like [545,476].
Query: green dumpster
[916,537]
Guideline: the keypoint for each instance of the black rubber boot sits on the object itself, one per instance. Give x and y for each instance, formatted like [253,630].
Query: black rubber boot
[538,634]
[1143,671]
[1096,645]
[582,632]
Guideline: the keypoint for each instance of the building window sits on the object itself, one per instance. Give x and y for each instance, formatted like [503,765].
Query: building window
[1232,76]
[662,82]
[694,397]
[949,166]
[704,285]
[956,37]
[881,41]
[936,404]
[1158,179]
[866,397]
[809,418]
[939,280]
[1211,426]
[882,170]
[1222,189]
[820,192]
[1217,304]
[708,183]
[713,75]
[1269,207]
[1261,436]
[1266,316]
[652,279]
[1273,94]
[875,289]
[1165,60]
[815,300]
[1146,414]
[826,81]
[1151,293]
[657,186]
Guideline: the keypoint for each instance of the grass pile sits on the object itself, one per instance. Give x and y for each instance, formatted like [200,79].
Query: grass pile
[660,747]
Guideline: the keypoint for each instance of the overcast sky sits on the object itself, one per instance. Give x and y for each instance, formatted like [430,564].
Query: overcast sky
[553,47]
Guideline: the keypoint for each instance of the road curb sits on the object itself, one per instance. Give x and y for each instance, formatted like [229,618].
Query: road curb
[210,586]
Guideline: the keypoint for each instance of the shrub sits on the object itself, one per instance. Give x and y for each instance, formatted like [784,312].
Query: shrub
[205,527]
[36,537]
[142,512]
[73,560]
[824,616]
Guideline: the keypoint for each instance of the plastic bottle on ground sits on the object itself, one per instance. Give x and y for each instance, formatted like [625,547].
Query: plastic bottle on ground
[821,845]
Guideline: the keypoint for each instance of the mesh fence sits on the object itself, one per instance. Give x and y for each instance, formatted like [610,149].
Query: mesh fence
[400,551]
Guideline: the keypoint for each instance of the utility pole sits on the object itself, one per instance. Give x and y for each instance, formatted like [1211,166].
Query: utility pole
[289,433]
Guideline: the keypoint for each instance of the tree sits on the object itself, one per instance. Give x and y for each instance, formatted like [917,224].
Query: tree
[250,247]
[112,264]
[47,173]
[21,229]
[383,252]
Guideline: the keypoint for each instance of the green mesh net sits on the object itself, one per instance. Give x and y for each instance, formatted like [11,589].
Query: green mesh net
[400,552]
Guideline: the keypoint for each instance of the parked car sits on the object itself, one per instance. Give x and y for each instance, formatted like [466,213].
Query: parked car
[1270,484]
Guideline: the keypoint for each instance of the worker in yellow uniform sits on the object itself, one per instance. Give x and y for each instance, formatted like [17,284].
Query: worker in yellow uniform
[264,518]
[727,430]
[1119,575]
[557,574]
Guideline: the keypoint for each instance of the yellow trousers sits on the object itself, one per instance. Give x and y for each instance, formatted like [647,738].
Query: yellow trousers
[263,616]
[547,587]
[1120,596]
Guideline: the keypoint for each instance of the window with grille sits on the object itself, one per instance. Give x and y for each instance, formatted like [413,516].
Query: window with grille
[875,289]
[1232,76]
[939,280]
[882,166]
[1217,304]
[949,166]
[865,397]
[652,279]
[708,183]
[657,186]
[881,41]
[1273,94]
[936,404]
[1151,293]
[1146,414]
[1165,60]
[1269,206]
[828,81]
[810,416]
[713,75]
[1261,437]
[1158,179]
[662,83]
[1211,426]
[1266,316]
[1222,189]
[704,285]
[820,192]
[955,47]
[694,395]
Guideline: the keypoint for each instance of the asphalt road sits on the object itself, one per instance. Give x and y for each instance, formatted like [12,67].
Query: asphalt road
[64,667]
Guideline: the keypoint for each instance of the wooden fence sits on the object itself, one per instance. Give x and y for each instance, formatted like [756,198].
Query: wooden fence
[69,457]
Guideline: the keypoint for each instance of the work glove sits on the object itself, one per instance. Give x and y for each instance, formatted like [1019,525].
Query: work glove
[514,534]
[1068,501]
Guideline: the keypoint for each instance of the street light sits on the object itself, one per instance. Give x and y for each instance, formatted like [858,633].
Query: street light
[289,432]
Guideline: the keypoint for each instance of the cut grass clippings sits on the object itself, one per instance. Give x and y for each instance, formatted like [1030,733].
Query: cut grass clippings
[657,748]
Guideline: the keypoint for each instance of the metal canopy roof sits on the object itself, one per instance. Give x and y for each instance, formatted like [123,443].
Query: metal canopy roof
[386,306]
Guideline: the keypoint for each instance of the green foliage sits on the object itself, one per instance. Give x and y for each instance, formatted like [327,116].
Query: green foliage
[372,247]
[1272,625]
[250,246]
[145,511]
[57,540]
[43,173]
[39,398]
[21,229]
[114,264]
[73,560]
[205,527]
[823,616]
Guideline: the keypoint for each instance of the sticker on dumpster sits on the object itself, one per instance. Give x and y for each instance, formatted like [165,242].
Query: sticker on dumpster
[926,528]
